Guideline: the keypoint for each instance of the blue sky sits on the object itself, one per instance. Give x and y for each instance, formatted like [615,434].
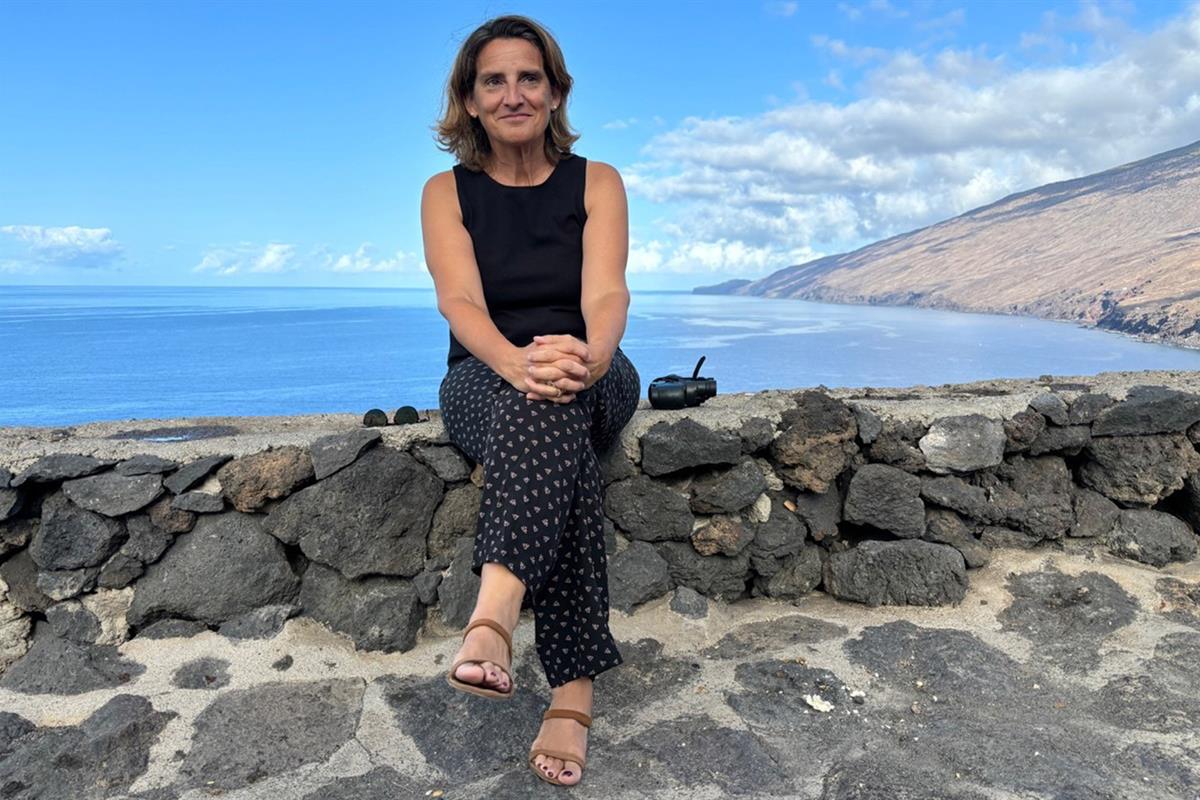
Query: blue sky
[286,144]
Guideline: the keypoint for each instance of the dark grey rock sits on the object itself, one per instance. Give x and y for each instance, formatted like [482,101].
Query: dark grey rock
[335,451]
[1022,430]
[67,583]
[610,537]
[459,587]
[1143,703]
[1173,771]
[869,423]
[102,757]
[773,635]
[381,783]
[54,665]
[1152,537]
[16,534]
[6,477]
[1036,475]
[697,752]
[111,494]
[757,433]
[722,577]
[995,536]
[669,447]
[245,735]
[10,504]
[1180,601]
[780,536]
[145,545]
[261,623]
[896,445]
[963,443]
[817,441]
[1139,470]
[635,575]
[199,502]
[648,510]
[12,727]
[947,527]
[798,574]
[728,491]
[172,629]
[70,620]
[820,512]
[616,465]
[194,473]
[426,585]
[202,673]
[19,573]
[457,516]
[446,462]
[145,464]
[1067,440]
[1046,516]
[377,613]
[958,495]
[70,538]
[689,603]
[58,467]
[908,572]
[283,664]
[1068,617]
[383,503]
[1174,663]
[886,498]
[1051,406]
[225,567]
[886,776]
[1086,407]
[1148,410]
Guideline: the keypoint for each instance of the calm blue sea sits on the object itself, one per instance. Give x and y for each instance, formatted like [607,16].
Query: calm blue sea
[78,354]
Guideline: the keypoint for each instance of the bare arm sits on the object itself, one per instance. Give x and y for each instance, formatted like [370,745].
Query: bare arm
[450,259]
[605,297]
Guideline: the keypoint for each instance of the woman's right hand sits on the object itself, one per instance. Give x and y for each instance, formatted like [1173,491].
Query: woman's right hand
[537,379]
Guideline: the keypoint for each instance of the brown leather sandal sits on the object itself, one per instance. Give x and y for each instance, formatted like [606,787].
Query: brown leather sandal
[475,688]
[563,755]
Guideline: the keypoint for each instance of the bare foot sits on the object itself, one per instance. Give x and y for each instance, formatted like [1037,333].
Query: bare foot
[485,645]
[565,734]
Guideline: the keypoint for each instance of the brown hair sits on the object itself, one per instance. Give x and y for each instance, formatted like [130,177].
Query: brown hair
[461,134]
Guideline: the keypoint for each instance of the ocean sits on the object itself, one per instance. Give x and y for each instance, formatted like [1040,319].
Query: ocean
[70,355]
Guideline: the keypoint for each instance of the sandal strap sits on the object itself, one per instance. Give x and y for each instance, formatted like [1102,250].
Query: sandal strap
[496,626]
[566,713]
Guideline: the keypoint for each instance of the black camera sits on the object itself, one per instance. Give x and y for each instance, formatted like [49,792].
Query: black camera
[672,391]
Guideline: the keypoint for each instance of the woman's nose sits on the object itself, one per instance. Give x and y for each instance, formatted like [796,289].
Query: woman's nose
[512,95]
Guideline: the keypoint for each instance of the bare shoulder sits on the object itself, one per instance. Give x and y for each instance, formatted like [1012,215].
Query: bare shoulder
[440,184]
[603,175]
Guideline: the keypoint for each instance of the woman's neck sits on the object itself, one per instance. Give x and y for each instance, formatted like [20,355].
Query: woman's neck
[519,166]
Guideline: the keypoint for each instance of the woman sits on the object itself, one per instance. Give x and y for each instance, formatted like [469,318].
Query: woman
[527,245]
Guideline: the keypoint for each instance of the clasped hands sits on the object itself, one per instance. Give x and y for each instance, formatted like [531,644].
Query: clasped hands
[558,366]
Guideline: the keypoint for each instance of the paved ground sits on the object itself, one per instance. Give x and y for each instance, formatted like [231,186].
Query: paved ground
[1061,675]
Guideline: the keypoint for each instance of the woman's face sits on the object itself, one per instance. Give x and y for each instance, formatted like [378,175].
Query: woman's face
[512,95]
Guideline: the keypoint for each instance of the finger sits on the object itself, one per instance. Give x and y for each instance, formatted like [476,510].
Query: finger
[566,343]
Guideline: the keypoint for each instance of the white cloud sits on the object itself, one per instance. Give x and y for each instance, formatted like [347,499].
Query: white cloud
[928,137]
[26,248]
[364,259]
[782,8]
[248,258]
[620,124]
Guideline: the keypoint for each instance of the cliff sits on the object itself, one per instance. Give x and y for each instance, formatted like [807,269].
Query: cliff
[1118,250]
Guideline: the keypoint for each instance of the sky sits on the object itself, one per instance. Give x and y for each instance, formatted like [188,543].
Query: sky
[253,143]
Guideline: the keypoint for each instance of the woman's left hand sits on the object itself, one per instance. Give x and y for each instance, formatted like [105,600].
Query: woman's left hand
[547,364]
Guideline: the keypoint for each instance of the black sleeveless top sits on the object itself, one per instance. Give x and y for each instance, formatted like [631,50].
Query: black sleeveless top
[528,244]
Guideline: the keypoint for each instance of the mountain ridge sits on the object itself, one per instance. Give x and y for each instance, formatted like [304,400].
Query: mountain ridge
[1117,250]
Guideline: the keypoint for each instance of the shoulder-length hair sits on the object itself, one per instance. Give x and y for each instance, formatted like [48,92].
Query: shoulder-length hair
[463,135]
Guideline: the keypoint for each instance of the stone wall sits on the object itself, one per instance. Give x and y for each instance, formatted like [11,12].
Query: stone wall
[113,530]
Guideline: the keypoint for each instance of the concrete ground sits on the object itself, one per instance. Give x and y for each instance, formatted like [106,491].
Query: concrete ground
[1061,675]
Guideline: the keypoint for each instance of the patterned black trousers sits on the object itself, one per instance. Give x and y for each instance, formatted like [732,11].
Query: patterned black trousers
[541,513]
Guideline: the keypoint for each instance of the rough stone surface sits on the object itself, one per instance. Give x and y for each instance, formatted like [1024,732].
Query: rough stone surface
[637,574]
[724,535]
[112,494]
[1139,470]
[1152,537]
[60,467]
[947,527]
[261,623]
[55,665]
[70,537]
[963,443]
[372,517]
[1051,406]
[1068,440]
[798,574]
[1095,514]
[722,577]
[250,481]
[648,510]
[457,516]
[886,498]
[460,586]
[193,473]
[379,613]
[146,464]
[669,447]
[1148,410]
[820,512]
[816,441]
[1022,429]
[203,673]
[689,603]
[1086,407]
[225,567]
[728,491]
[911,572]
[335,451]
